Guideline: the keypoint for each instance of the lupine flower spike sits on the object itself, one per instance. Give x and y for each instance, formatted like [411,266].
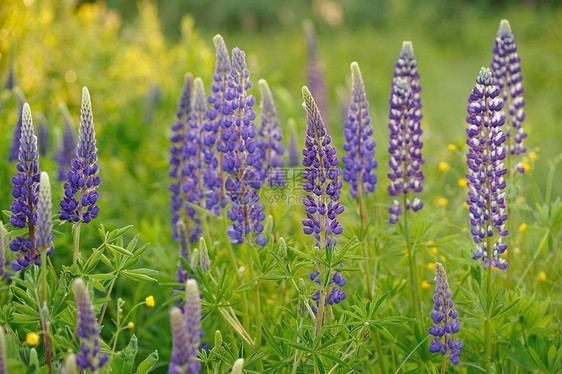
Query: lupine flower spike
[241,155]
[485,156]
[444,316]
[507,72]
[405,135]
[42,134]
[217,114]
[44,233]
[24,190]
[90,356]
[186,333]
[359,160]
[315,71]
[179,151]
[79,202]
[15,146]
[67,150]
[270,139]
[323,188]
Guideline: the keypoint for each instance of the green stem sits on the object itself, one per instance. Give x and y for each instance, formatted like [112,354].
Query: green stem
[443,365]
[539,249]
[382,360]
[255,254]
[412,263]
[487,336]
[75,242]
[105,305]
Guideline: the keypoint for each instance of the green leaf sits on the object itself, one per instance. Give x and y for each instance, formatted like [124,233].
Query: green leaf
[148,363]
[123,361]
[139,274]
[93,261]
[22,296]
[120,249]
[118,232]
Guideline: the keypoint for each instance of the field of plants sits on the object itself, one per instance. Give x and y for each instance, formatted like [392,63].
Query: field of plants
[320,186]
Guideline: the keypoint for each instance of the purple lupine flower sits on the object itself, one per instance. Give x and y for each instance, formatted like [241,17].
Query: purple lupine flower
[241,155]
[24,190]
[486,198]
[323,189]
[44,226]
[293,148]
[42,134]
[270,139]
[315,71]
[360,163]
[507,72]
[186,333]
[10,79]
[405,132]
[217,113]
[67,149]
[15,146]
[184,243]
[153,98]
[180,152]
[90,356]
[79,202]
[444,316]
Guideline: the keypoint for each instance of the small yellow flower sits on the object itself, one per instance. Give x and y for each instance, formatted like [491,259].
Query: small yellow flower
[462,182]
[403,281]
[130,325]
[542,276]
[434,250]
[425,285]
[431,266]
[533,156]
[444,259]
[442,201]
[32,338]
[452,147]
[523,227]
[149,301]
[520,200]
[516,250]
[466,206]
[526,166]
[464,229]
[443,166]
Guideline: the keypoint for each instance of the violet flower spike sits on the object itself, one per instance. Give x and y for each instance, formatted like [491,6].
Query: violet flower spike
[217,113]
[323,188]
[180,151]
[42,134]
[486,197]
[360,163]
[15,145]
[90,356]
[315,71]
[240,159]
[44,226]
[67,150]
[405,135]
[444,316]
[507,72]
[79,202]
[270,140]
[25,193]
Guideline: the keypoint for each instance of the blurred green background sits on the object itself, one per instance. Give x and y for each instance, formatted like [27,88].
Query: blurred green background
[125,51]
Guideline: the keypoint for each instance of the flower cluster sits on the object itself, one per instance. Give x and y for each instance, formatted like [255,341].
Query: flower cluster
[44,233]
[90,356]
[486,198]
[241,155]
[42,134]
[315,71]
[405,134]
[323,189]
[270,140]
[180,152]
[507,72]
[15,146]
[67,149]
[217,113]
[186,333]
[444,316]
[24,190]
[79,202]
[359,145]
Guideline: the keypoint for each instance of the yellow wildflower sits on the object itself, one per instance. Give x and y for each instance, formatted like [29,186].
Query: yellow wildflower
[443,166]
[452,147]
[130,325]
[542,276]
[533,156]
[516,250]
[434,250]
[425,285]
[149,301]
[32,338]
[462,182]
[526,166]
[523,227]
[442,201]
[431,266]
[466,206]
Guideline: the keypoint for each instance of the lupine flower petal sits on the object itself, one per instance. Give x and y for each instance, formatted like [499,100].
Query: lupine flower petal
[405,134]
[323,189]
[90,356]
[507,72]
[15,146]
[44,233]
[485,156]
[359,159]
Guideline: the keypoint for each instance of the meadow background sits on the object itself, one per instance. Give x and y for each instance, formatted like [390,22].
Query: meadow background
[132,57]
